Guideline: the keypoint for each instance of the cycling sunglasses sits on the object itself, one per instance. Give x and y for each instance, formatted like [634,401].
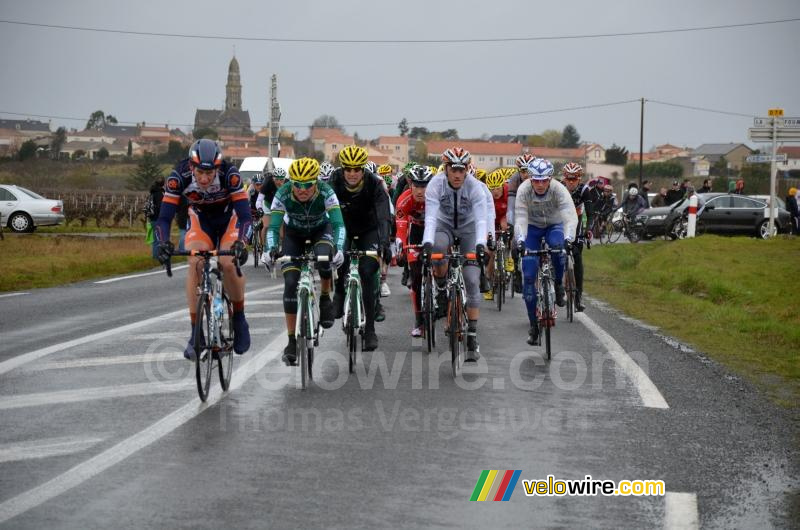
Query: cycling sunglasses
[303,185]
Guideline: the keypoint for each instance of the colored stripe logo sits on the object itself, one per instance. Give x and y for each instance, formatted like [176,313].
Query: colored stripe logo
[496,485]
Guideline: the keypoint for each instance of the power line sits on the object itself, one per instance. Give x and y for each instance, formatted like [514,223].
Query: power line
[403,41]
[442,120]
[375,124]
[702,109]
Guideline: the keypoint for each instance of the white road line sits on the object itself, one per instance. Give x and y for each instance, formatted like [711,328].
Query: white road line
[99,463]
[44,448]
[650,395]
[183,335]
[11,294]
[106,361]
[248,303]
[681,511]
[251,316]
[91,394]
[130,276]
[25,358]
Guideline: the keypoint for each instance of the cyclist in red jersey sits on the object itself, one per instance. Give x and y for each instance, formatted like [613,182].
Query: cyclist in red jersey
[496,182]
[410,223]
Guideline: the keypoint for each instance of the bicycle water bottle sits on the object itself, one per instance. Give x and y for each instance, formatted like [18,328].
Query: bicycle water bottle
[218,305]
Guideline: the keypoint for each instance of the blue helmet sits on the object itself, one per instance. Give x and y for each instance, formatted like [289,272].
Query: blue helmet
[541,169]
[205,154]
[258,178]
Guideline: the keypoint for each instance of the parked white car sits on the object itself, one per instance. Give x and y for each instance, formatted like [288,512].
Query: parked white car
[23,210]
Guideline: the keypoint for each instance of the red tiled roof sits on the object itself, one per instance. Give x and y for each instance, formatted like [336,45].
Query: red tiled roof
[436,147]
[323,133]
[242,152]
[557,152]
[393,140]
[791,151]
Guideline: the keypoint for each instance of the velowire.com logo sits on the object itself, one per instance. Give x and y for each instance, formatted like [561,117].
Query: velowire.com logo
[496,485]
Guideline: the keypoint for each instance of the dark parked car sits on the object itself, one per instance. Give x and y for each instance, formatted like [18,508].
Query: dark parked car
[723,213]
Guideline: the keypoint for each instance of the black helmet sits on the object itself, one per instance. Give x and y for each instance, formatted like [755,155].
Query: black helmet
[420,175]
[205,154]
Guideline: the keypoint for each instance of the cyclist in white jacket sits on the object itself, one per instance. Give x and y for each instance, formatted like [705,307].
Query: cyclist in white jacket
[455,206]
[543,209]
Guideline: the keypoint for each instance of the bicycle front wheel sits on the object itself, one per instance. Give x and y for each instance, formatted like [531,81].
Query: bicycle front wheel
[305,341]
[455,329]
[547,317]
[351,327]
[569,287]
[203,359]
[225,356]
[428,316]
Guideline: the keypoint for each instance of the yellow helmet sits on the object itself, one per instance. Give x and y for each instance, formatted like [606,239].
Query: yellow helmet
[434,170]
[439,169]
[496,179]
[304,170]
[384,169]
[353,156]
[480,174]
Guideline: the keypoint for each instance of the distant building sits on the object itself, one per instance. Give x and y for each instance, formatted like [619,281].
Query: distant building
[734,154]
[792,158]
[485,155]
[329,141]
[232,121]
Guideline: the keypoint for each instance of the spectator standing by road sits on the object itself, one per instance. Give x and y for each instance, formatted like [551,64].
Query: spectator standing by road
[706,188]
[791,205]
[660,199]
[646,185]
[152,207]
[739,190]
[675,194]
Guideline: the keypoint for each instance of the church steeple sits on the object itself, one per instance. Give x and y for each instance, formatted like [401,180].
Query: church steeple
[233,89]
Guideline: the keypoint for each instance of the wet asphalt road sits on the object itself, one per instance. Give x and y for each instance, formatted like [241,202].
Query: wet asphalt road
[102,426]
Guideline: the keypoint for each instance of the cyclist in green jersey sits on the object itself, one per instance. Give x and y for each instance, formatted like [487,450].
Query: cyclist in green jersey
[310,211]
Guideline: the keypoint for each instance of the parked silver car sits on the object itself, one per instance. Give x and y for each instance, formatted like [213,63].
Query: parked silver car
[23,210]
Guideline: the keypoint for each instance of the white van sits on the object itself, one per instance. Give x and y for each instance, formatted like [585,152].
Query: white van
[257,165]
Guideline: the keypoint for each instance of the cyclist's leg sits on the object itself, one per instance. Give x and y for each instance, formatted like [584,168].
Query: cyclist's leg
[472,279]
[323,246]
[554,236]
[341,276]
[234,286]
[197,238]
[369,268]
[530,265]
[415,269]
[441,242]
[292,246]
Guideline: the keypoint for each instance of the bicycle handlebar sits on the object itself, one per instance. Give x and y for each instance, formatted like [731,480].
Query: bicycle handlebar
[284,259]
[205,254]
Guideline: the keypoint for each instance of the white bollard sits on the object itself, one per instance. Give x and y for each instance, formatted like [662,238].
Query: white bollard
[690,229]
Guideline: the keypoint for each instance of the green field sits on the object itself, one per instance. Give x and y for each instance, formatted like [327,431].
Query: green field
[31,261]
[735,299]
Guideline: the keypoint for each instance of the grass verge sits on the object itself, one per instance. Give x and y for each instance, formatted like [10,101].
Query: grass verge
[31,261]
[733,298]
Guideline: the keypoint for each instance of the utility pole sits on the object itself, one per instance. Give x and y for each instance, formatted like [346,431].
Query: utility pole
[275,118]
[641,144]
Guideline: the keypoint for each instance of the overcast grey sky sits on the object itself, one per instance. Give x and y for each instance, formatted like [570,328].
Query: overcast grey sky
[60,72]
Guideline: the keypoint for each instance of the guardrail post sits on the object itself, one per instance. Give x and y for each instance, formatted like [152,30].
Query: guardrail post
[690,229]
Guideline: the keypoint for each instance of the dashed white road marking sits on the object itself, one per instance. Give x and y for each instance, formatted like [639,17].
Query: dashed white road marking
[99,463]
[650,395]
[61,397]
[250,316]
[131,276]
[248,303]
[25,358]
[681,511]
[47,447]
